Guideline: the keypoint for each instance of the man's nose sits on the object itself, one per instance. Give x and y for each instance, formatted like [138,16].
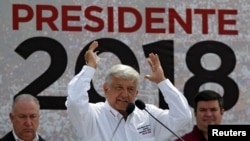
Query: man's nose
[125,92]
[28,121]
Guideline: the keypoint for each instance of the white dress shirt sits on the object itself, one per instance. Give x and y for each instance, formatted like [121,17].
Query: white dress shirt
[97,121]
[18,139]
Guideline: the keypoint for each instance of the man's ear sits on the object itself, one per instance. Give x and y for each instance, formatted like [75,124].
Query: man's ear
[105,88]
[222,111]
[137,92]
[11,116]
[195,113]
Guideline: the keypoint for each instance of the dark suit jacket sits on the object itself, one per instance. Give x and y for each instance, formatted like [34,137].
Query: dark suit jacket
[10,137]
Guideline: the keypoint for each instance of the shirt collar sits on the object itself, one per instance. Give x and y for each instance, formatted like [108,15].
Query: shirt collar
[199,133]
[113,112]
[18,139]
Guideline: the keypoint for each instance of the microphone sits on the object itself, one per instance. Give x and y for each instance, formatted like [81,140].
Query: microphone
[141,105]
[129,109]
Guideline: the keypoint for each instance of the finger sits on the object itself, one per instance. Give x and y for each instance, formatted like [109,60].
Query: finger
[93,46]
[155,59]
[150,62]
[147,76]
[152,58]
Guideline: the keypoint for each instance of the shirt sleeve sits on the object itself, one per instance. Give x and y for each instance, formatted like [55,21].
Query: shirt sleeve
[179,114]
[77,102]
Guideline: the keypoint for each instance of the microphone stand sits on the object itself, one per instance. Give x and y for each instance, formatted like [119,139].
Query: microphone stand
[164,125]
[116,129]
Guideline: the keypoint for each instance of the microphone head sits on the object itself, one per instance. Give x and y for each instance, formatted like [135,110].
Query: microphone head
[130,108]
[140,104]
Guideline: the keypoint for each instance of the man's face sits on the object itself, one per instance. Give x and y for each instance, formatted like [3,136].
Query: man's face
[25,119]
[120,92]
[208,113]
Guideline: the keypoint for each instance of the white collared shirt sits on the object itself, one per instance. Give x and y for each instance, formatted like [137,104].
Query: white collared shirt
[18,139]
[97,121]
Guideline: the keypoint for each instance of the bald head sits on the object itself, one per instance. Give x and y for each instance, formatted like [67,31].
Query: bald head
[27,98]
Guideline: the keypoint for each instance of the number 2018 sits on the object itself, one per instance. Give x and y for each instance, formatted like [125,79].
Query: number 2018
[165,50]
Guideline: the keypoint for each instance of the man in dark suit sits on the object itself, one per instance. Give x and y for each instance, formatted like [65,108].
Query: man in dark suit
[24,116]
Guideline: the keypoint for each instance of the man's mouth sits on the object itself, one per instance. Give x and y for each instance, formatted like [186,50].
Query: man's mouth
[28,130]
[123,101]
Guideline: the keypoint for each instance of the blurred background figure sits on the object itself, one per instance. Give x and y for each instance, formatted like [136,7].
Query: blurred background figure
[208,110]
[24,116]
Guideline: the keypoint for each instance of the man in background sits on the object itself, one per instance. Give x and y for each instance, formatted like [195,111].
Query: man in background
[24,116]
[208,110]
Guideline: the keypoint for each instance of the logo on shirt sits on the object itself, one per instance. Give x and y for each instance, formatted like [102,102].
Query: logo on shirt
[144,130]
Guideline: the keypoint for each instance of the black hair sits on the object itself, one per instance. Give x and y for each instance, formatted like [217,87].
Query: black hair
[208,95]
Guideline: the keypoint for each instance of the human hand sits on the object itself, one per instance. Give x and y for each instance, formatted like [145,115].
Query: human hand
[157,74]
[90,56]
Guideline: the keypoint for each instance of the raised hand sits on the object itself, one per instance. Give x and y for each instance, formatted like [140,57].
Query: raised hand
[90,56]
[157,74]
